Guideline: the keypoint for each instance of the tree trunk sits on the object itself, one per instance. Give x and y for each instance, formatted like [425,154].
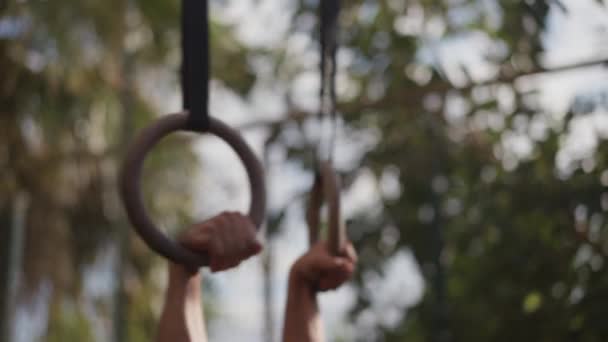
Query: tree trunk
[120,314]
[268,291]
[4,276]
[12,262]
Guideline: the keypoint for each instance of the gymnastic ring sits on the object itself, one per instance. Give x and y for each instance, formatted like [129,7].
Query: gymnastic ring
[326,188]
[130,187]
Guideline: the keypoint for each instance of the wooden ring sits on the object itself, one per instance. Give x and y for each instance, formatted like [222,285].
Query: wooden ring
[130,187]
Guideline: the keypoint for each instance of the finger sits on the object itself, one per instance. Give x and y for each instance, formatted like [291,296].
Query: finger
[348,251]
[213,265]
[235,240]
[216,249]
[329,264]
[335,277]
[217,252]
[248,230]
[324,285]
[351,253]
[335,280]
[248,244]
[222,236]
[255,247]
[233,264]
[329,283]
[198,241]
[245,224]
[232,237]
[345,272]
[224,262]
[252,244]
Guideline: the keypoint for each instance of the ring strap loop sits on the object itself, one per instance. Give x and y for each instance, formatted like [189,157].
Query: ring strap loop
[195,63]
[329,11]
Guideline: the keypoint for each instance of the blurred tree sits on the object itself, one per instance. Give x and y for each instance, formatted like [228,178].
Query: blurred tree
[510,243]
[73,89]
[495,233]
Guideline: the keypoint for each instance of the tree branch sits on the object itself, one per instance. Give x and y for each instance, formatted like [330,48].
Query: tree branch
[412,96]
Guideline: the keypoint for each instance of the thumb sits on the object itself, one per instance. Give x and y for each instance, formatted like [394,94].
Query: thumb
[255,247]
[329,264]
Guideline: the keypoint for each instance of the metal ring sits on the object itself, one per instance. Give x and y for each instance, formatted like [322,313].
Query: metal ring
[326,187]
[130,186]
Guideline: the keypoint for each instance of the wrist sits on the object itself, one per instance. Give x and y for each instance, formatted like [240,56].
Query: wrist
[300,280]
[183,278]
[181,271]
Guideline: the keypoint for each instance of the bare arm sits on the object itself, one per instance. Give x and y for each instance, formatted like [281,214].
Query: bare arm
[302,320]
[315,271]
[227,239]
[182,316]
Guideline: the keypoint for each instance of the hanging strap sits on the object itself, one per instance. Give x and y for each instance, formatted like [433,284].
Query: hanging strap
[329,13]
[326,187]
[195,63]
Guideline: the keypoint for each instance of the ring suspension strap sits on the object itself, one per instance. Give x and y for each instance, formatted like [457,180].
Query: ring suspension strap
[329,14]
[326,187]
[195,63]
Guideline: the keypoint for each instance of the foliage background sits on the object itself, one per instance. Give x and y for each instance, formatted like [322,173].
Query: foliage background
[456,147]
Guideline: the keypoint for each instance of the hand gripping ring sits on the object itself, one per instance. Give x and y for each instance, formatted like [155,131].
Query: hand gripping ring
[130,187]
[326,187]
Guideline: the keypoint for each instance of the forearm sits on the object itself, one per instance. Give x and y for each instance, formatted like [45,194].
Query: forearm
[302,321]
[182,316]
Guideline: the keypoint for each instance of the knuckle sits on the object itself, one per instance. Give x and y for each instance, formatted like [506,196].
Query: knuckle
[221,219]
[207,227]
[217,249]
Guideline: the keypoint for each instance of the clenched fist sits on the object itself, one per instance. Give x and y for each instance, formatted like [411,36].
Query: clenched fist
[228,239]
[321,271]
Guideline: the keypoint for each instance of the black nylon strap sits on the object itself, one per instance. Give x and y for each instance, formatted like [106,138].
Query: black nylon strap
[329,14]
[195,62]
